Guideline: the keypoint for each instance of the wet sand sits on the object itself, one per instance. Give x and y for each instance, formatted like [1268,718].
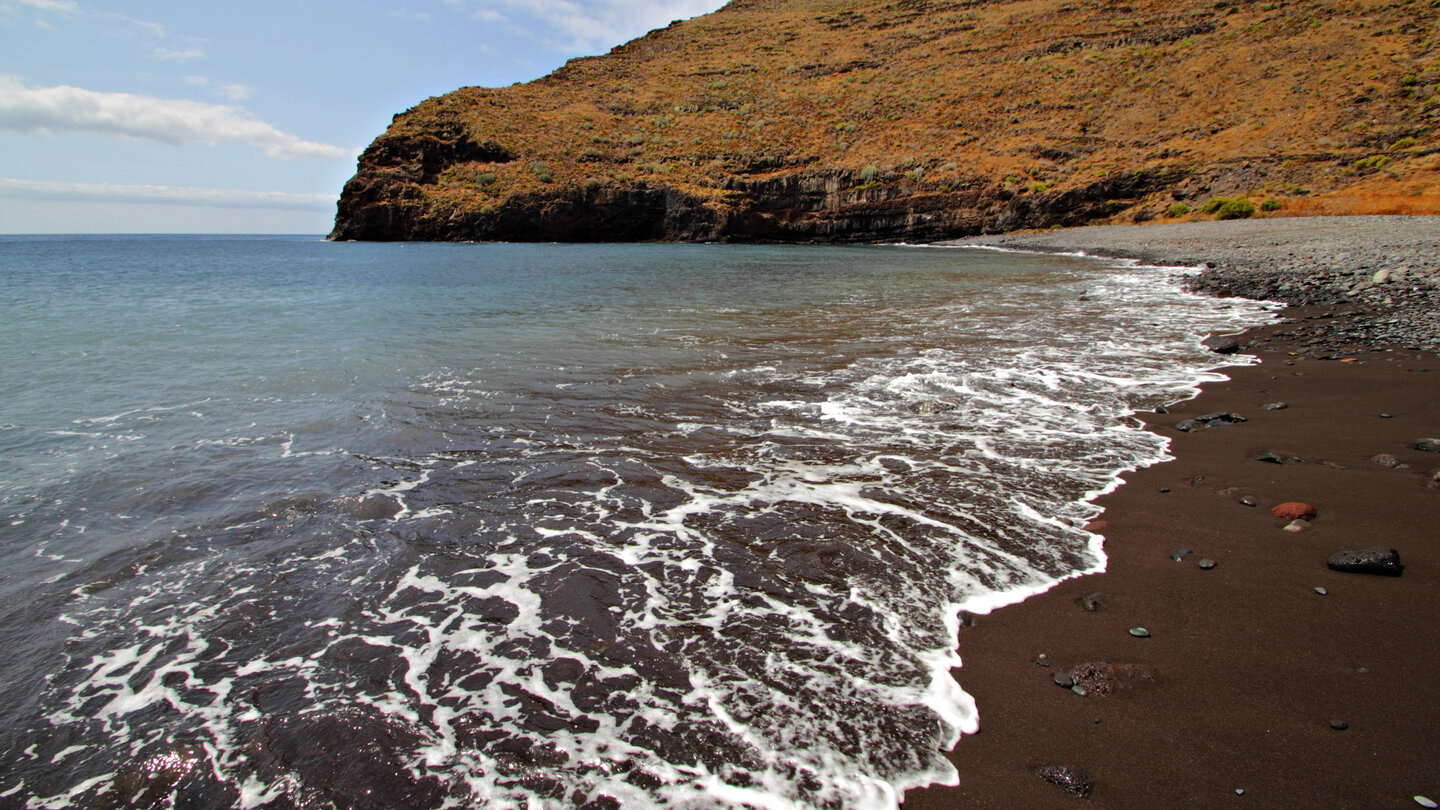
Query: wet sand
[1247,667]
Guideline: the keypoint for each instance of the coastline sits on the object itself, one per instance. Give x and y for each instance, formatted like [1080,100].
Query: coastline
[1247,667]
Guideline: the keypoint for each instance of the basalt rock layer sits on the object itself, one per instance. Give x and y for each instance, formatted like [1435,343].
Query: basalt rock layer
[917,120]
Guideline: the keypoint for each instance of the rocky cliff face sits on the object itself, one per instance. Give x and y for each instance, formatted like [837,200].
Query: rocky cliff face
[916,120]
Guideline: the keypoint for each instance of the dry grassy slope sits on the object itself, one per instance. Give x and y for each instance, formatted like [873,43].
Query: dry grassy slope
[797,111]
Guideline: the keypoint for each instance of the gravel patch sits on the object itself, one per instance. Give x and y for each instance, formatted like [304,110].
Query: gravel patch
[1381,273]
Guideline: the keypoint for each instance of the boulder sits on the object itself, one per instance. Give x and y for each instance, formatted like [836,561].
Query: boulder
[1428,445]
[1382,561]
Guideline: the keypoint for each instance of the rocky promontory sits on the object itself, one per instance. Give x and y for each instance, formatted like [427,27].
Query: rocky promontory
[919,120]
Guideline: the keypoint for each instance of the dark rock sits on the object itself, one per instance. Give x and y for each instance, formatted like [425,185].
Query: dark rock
[1248,501]
[1276,406]
[1269,457]
[1076,783]
[1428,445]
[1091,602]
[1221,345]
[1042,660]
[1063,679]
[1187,425]
[1197,481]
[1387,416]
[1221,418]
[1382,561]
[1294,510]
[1161,409]
[1293,460]
[1339,725]
[1206,564]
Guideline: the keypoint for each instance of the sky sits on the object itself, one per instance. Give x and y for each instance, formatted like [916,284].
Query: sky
[178,116]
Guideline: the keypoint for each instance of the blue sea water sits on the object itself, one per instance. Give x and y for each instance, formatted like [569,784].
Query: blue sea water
[289,523]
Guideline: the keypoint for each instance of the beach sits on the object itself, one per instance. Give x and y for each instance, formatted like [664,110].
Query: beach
[1261,678]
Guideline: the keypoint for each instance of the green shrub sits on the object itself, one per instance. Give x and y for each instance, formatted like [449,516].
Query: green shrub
[1179,209]
[1373,162]
[484,179]
[1213,204]
[869,173]
[1403,143]
[543,171]
[1235,209]
[1271,204]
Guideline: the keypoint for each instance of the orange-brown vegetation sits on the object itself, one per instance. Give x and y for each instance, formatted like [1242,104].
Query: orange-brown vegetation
[1016,113]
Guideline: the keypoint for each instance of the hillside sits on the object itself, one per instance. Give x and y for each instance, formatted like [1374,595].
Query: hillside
[888,120]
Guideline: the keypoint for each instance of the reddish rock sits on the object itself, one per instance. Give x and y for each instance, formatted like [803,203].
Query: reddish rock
[1294,511]
[1386,460]
[1097,526]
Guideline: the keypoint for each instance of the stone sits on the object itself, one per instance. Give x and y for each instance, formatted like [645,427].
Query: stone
[1270,457]
[1206,564]
[1248,501]
[1294,510]
[1321,590]
[1221,345]
[1221,418]
[1428,445]
[1063,679]
[1297,525]
[1385,460]
[1179,554]
[1091,602]
[1042,660]
[1434,482]
[1079,690]
[1075,782]
[1139,632]
[1387,416]
[1339,725]
[1425,802]
[1277,406]
[1096,526]
[1381,276]
[1382,561]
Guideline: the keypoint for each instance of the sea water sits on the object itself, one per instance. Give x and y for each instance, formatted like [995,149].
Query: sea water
[287,523]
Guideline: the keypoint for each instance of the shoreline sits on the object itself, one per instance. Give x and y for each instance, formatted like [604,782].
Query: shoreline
[1250,680]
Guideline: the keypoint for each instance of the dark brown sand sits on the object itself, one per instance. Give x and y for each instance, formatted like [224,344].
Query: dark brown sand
[1247,665]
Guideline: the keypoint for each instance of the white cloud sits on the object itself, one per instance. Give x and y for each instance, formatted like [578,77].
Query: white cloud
[235,92]
[170,195]
[592,24]
[188,55]
[50,110]
[47,5]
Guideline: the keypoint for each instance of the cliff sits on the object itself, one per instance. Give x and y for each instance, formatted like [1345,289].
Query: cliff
[915,120]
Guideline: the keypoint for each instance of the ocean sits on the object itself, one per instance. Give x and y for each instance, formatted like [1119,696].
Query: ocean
[295,524]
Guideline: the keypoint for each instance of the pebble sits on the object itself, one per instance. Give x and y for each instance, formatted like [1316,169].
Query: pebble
[1424,802]
[1339,725]
[1092,602]
[1294,510]
[1042,660]
[1385,460]
[1180,554]
[1387,416]
[1320,590]
[1139,632]
[1239,791]
[1063,679]
[1079,690]
[1428,445]
[1164,489]
[1207,564]
[1277,406]
[1298,525]
[1248,501]
[1269,457]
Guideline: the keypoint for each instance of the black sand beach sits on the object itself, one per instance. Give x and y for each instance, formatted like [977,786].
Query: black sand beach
[1267,679]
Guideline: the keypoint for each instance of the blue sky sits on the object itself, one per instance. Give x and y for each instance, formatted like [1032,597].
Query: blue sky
[198,117]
